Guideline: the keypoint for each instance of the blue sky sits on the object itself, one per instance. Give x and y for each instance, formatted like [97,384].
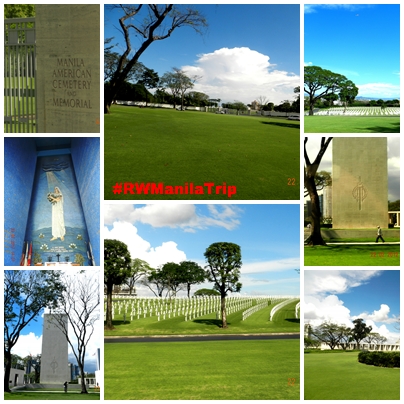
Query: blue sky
[246,51]
[361,42]
[30,340]
[340,296]
[267,234]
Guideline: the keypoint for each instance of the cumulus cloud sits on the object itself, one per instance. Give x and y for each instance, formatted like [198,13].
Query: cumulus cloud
[184,216]
[140,248]
[379,90]
[326,309]
[241,74]
[379,316]
[29,344]
[331,282]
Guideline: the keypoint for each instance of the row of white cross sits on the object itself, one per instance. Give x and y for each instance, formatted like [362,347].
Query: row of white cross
[189,308]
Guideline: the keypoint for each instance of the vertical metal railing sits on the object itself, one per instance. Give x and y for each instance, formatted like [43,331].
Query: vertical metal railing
[19,75]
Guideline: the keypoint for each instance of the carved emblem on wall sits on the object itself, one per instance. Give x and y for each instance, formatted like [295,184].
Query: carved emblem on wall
[359,193]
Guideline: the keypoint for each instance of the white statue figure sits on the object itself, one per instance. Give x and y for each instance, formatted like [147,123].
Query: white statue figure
[58,221]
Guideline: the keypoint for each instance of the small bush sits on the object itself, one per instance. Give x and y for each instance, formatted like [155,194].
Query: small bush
[383,359]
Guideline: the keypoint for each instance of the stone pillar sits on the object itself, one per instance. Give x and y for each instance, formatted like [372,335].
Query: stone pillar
[68,68]
[54,363]
[359,182]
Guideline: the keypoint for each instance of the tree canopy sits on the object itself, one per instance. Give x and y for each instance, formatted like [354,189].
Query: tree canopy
[320,83]
[117,268]
[26,293]
[224,263]
[19,10]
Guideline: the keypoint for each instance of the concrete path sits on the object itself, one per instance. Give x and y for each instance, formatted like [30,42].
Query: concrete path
[207,337]
[364,243]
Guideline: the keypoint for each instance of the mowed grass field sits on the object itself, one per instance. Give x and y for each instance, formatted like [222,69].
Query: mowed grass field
[38,395]
[351,124]
[257,155]
[283,321]
[213,370]
[352,255]
[339,376]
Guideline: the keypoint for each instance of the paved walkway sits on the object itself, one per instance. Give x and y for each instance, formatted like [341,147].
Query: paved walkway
[364,243]
[205,337]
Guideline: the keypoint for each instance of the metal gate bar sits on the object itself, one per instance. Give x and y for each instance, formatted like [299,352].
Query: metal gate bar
[19,75]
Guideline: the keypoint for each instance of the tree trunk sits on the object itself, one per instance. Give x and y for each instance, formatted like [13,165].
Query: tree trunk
[7,370]
[223,309]
[83,380]
[315,237]
[108,319]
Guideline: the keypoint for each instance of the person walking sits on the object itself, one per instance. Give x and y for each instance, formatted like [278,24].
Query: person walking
[65,384]
[379,234]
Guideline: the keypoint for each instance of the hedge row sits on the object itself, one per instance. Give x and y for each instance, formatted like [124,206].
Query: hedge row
[384,359]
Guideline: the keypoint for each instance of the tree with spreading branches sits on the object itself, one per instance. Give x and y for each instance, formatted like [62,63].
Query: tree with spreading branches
[80,304]
[26,294]
[149,23]
[310,171]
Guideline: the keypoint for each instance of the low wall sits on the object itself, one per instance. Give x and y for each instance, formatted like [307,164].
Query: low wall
[358,233]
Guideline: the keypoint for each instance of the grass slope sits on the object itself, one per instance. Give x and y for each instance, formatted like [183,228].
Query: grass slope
[339,376]
[352,255]
[260,156]
[215,370]
[351,124]
[283,321]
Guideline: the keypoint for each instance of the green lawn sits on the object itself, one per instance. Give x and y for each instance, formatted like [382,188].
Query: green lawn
[38,395]
[339,376]
[351,124]
[283,321]
[214,370]
[257,155]
[352,255]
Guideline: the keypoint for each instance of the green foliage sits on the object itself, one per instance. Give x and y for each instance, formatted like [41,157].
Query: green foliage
[193,274]
[383,359]
[19,10]
[206,292]
[117,268]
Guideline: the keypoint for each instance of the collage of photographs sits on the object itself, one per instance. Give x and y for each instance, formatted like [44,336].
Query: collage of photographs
[223,234]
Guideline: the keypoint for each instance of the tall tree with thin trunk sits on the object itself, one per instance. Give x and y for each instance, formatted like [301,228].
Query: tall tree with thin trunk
[117,268]
[193,274]
[310,171]
[26,294]
[149,23]
[80,302]
[224,263]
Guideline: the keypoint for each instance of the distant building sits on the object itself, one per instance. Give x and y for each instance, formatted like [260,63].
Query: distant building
[255,105]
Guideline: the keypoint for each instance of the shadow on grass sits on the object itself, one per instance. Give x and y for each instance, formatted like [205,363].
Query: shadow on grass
[285,125]
[119,322]
[208,321]
[382,129]
[293,320]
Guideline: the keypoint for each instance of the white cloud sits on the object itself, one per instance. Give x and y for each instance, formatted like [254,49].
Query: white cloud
[28,344]
[379,316]
[392,337]
[376,90]
[140,248]
[313,8]
[326,309]
[241,74]
[183,216]
[323,282]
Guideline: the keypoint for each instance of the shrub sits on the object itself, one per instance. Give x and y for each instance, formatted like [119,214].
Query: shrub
[383,359]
